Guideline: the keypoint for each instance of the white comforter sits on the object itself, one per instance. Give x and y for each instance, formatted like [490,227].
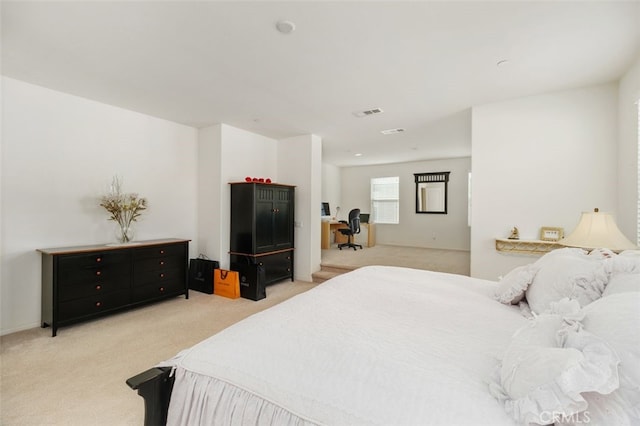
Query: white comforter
[377,346]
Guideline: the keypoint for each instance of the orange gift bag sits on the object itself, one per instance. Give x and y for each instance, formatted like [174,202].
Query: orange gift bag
[226,283]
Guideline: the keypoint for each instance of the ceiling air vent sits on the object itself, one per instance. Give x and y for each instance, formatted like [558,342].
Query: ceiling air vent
[368,112]
[391,131]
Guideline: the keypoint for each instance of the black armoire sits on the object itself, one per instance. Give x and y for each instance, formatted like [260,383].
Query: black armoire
[262,216]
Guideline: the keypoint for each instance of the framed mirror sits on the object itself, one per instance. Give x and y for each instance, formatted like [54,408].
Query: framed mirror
[431,192]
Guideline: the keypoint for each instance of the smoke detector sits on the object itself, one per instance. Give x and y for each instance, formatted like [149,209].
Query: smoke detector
[368,112]
[285,27]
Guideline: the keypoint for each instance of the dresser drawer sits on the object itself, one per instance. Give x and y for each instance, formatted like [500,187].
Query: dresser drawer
[92,305]
[155,290]
[91,288]
[103,273]
[159,277]
[277,266]
[89,260]
[159,263]
[160,251]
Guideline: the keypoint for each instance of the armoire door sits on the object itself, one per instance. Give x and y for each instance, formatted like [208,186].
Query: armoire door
[282,219]
[264,221]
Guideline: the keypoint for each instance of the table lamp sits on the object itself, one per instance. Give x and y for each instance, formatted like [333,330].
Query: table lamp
[597,230]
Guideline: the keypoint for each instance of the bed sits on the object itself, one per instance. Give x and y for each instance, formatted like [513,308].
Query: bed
[398,346]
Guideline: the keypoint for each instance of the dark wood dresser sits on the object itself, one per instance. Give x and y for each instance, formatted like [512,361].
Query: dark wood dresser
[80,283]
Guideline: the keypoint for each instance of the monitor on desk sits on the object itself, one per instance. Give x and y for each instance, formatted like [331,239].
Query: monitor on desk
[326,211]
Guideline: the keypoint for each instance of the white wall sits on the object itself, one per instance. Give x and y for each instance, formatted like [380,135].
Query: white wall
[59,154]
[210,186]
[228,154]
[331,183]
[628,96]
[539,161]
[300,164]
[243,154]
[448,231]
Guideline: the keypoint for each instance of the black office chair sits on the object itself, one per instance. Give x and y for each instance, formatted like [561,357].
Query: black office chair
[353,229]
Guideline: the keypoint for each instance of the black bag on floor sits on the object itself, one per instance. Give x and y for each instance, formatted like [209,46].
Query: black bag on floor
[201,274]
[251,280]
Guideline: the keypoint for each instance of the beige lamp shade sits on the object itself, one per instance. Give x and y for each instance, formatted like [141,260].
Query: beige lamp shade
[597,230]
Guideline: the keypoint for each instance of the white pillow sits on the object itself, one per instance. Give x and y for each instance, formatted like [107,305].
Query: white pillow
[566,273]
[538,376]
[512,286]
[625,274]
[622,263]
[602,253]
[616,320]
[622,282]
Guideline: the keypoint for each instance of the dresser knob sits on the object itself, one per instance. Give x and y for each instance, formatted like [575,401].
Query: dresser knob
[161,289]
[98,273]
[99,259]
[162,262]
[161,251]
[161,275]
[98,304]
[288,269]
[98,287]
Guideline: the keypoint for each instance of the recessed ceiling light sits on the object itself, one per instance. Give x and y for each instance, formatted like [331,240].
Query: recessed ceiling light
[358,154]
[285,27]
[391,131]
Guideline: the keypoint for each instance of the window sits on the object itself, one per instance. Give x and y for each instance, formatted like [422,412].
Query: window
[385,199]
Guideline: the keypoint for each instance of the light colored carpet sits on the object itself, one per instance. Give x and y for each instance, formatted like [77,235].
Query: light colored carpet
[452,261]
[78,377]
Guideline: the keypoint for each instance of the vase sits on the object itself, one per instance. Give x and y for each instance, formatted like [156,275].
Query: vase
[124,234]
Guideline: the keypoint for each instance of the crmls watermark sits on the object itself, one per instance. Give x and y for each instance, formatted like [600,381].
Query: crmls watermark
[550,417]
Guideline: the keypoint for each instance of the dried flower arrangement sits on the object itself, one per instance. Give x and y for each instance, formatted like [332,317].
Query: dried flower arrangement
[124,209]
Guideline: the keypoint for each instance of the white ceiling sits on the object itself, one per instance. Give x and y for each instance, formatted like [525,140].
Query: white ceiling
[424,63]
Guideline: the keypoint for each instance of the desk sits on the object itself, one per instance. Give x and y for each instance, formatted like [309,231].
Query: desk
[329,234]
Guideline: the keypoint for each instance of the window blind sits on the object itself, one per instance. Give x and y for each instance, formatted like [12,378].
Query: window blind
[385,199]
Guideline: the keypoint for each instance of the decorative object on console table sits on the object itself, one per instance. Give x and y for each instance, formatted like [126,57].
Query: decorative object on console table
[124,209]
[551,234]
[515,234]
[82,283]
[262,231]
[598,230]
